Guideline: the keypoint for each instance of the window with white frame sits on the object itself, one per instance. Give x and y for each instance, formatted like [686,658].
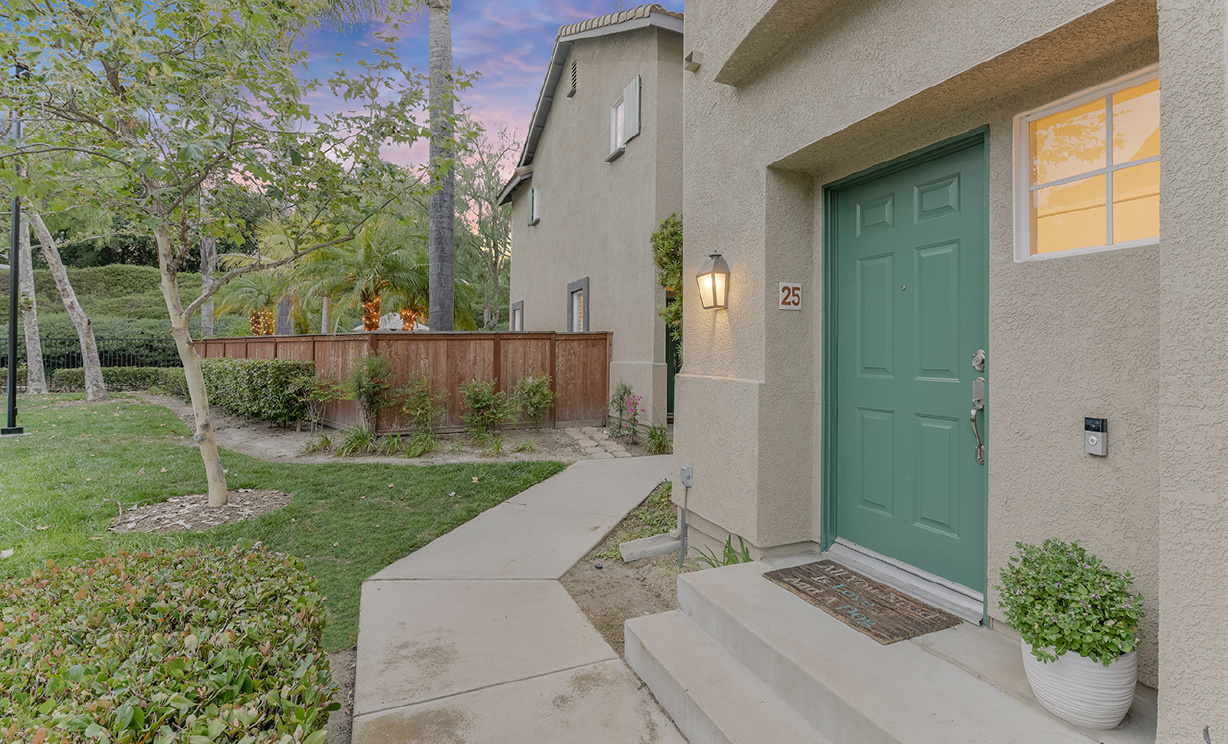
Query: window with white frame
[1088,170]
[535,205]
[625,117]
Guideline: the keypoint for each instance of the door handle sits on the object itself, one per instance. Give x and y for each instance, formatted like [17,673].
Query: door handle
[980,448]
[978,405]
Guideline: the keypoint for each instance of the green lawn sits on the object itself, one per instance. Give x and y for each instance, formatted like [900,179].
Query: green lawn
[60,482]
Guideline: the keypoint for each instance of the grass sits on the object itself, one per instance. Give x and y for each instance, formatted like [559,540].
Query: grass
[60,484]
[656,516]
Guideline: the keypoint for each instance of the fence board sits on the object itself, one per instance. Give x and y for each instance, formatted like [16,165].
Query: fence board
[578,364]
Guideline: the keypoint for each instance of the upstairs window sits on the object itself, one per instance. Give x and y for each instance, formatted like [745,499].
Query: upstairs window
[625,118]
[1088,171]
[535,206]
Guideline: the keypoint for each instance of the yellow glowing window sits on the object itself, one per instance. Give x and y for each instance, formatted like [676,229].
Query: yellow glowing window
[1089,170]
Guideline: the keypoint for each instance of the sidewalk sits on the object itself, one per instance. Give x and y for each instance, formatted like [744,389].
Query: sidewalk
[472,640]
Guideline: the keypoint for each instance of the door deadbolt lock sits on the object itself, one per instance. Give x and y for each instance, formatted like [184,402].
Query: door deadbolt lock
[978,360]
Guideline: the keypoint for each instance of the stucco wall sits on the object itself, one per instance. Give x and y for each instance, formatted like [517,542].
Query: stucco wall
[1069,337]
[596,217]
[1193,437]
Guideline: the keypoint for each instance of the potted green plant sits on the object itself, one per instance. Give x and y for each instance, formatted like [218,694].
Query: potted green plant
[1079,625]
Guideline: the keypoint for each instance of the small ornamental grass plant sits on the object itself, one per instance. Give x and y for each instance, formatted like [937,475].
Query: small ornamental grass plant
[199,645]
[1061,598]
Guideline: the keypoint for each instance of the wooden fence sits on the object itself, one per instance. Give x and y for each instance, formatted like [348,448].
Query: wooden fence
[578,365]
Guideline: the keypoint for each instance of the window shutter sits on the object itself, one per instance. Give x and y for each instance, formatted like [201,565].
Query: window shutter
[631,103]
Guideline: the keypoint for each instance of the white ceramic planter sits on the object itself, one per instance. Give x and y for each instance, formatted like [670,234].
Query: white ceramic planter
[1082,691]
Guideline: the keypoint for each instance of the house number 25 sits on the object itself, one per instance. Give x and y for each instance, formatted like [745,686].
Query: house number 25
[790,296]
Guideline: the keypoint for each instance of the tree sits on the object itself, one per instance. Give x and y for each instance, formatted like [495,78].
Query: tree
[95,388]
[166,98]
[487,234]
[36,376]
[442,244]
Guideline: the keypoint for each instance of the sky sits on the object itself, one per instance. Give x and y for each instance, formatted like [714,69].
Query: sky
[508,42]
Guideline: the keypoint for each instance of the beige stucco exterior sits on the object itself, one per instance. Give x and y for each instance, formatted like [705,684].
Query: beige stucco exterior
[597,215]
[1133,335]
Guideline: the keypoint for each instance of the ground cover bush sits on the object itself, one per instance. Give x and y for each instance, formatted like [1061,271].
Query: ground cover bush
[533,396]
[64,480]
[201,645]
[485,407]
[120,378]
[270,389]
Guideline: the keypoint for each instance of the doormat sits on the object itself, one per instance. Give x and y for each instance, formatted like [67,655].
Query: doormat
[884,614]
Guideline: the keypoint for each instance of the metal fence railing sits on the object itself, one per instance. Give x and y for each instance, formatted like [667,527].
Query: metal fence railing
[65,353]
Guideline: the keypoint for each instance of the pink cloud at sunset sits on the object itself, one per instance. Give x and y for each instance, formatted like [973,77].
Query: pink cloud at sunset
[508,42]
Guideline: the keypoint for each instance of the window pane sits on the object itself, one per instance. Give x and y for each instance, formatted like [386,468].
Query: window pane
[1136,203]
[1068,143]
[1069,216]
[1136,122]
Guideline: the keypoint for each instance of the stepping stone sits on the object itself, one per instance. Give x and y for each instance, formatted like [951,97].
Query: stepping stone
[592,450]
[585,442]
[622,454]
[603,456]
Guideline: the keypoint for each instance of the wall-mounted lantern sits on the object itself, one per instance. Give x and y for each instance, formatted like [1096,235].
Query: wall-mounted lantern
[714,283]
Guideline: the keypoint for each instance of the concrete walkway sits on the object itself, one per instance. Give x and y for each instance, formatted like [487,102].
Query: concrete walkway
[473,640]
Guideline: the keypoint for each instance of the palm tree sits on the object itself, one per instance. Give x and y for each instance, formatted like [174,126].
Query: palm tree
[360,274]
[442,243]
[255,294]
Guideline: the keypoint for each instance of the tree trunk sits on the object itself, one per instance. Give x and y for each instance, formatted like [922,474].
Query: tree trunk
[325,311]
[441,247]
[370,313]
[36,377]
[204,437]
[285,321]
[95,388]
[208,265]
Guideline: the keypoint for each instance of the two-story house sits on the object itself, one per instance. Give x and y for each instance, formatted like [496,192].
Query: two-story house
[601,167]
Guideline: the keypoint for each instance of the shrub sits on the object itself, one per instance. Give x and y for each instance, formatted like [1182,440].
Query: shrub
[120,378]
[204,645]
[1060,596]
[618,408]
[635,406]
[485,407]
[317,394]
[269,389]
[421,405]
[4,376]
[658,440]
[533,396]
[370,383]
[666,244]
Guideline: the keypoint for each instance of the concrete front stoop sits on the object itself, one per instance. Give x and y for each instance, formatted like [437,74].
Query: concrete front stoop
[744,661]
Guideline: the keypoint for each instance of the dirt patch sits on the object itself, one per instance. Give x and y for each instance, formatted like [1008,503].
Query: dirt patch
[341,722]
[616,592]
[192,513]
[277,444]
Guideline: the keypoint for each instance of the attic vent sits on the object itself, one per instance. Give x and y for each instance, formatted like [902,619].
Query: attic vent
[572,92]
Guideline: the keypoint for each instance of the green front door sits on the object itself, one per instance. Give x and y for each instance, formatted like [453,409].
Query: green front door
[910,305]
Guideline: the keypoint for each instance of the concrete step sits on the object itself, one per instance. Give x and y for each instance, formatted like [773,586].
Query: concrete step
[963,684]
[711,697]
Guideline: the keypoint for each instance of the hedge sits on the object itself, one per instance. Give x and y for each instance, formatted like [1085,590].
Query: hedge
[199,645]
[269,389]
[120,378]
[4,376]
